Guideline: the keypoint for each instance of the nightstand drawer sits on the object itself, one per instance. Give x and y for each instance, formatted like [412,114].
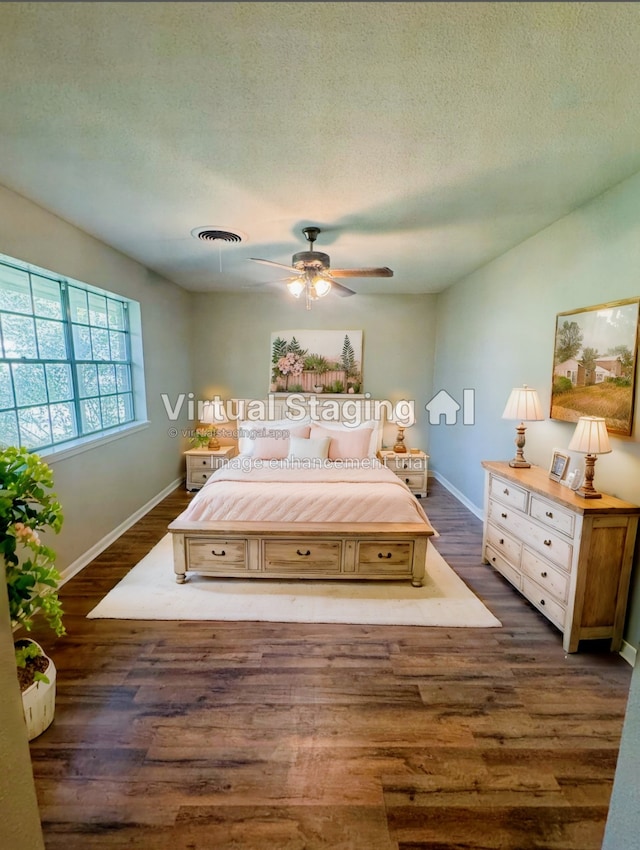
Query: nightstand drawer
[199,477]
[413,480]
[196,464]
[400,465]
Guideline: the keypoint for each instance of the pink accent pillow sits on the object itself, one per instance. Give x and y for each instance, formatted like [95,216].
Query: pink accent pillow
[277,448]
[345,444]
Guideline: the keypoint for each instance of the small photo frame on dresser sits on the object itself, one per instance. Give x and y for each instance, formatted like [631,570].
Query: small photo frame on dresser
[559,465]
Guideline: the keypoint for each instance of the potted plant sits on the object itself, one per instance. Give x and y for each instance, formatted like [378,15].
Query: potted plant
[27,508]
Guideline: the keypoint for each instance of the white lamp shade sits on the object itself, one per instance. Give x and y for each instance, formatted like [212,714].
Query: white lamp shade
[523,404]
[213,414]
[403,414]
[590,436]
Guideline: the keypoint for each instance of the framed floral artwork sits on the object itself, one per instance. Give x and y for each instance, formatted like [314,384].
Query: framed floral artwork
[594,365]
[304,361]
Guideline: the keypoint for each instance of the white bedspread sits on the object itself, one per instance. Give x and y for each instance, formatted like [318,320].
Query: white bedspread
[259,491]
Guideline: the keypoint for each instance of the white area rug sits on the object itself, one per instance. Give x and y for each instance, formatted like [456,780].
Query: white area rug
[150,592]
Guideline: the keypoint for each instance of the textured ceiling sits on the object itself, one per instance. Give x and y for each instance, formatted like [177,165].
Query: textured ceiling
[428,137]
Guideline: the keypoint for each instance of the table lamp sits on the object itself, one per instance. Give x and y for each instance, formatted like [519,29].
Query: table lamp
[523,404]
[591,438]
[213,415]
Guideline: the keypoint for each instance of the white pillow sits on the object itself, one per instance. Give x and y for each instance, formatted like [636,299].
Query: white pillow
[249,429]
[376,431]
[301,448]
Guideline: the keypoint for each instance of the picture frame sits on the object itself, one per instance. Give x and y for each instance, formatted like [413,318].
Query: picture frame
[559,465]
[594,364]
[316,361]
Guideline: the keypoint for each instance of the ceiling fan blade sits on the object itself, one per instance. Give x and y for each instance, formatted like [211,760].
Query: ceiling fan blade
[290,269]
[336,287]
[381,272]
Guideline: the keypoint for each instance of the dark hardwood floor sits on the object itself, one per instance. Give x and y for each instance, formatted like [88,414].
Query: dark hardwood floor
[218,735]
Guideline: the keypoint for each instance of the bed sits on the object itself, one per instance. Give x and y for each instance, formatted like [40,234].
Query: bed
[304,500]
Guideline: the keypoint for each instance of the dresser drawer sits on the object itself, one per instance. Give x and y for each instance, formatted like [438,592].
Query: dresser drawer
[550,578]
[386,556]
[507,546]
[553,516]
[502,566]
[297,555]
[544,602]
[547,542]
[508,493]
[205,554]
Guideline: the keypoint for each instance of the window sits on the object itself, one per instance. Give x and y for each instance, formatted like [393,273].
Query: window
[65,358]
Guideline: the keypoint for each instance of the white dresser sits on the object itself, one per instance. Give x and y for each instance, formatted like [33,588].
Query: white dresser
[201,463]
[570,557]
[411,467]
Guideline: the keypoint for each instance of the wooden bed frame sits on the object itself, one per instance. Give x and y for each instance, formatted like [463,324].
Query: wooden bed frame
[311,551]
[390,551]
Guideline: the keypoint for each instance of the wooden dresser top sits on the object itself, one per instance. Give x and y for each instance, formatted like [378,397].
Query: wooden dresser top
[537,479]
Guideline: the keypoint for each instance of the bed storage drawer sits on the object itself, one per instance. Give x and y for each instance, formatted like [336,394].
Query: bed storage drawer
[208,554]
[388,557]
[302,555]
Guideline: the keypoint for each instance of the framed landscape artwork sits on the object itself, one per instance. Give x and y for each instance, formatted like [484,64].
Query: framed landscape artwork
[594,364]
[316,362]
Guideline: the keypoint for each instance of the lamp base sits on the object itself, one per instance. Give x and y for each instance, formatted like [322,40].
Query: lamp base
[214,444]
[519,464]
[400,448]
[588,494]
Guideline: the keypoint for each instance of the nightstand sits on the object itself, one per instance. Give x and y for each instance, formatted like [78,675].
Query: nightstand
[201,463]
[411,467]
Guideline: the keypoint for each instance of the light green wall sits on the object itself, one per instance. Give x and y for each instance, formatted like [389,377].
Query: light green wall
[101,488]
[496,331]
[232,337]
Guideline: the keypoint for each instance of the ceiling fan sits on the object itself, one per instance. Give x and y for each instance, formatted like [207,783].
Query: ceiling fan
[312,275]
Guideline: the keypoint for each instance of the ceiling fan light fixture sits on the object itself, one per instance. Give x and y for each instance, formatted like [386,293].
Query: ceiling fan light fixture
[296,287]
[321,286]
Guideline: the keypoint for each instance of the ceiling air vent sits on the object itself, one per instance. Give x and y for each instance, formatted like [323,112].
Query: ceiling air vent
[213,234]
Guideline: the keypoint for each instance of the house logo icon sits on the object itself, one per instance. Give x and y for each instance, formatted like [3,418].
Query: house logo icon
[444,406]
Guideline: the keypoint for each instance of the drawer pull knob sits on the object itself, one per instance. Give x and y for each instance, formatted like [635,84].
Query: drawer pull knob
[549,514]
[544,574]
[547,542]
[506,491]
[503,515]
[406,466]
[304,554]
[501,541]
[542,601]
[494,559]
[406,480]
[218,554]
[380,555]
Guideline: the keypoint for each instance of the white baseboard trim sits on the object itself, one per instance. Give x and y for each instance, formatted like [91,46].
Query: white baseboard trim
[475,510]
[629,653]
[86,558]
